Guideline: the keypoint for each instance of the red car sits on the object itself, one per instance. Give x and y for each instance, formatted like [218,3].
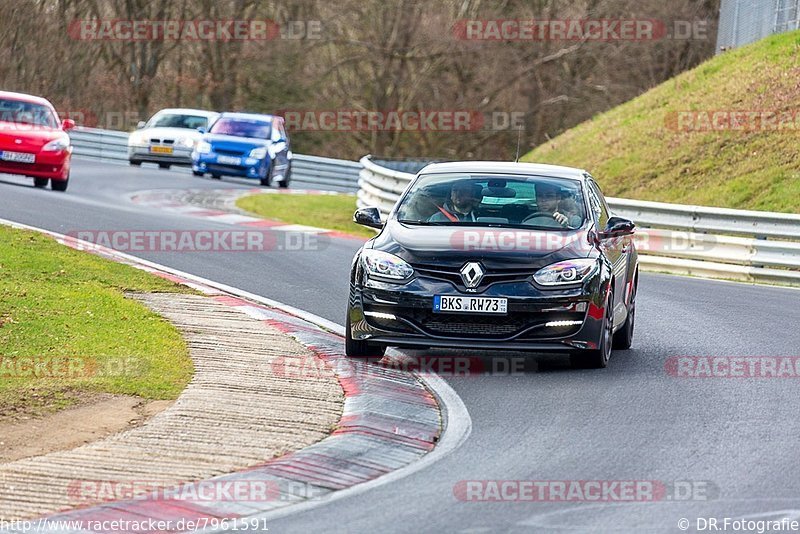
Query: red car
[33,140]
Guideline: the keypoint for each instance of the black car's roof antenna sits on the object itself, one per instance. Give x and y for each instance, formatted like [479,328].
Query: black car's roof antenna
[519,136]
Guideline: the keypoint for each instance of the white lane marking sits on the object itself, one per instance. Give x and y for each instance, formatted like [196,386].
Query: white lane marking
[457,423]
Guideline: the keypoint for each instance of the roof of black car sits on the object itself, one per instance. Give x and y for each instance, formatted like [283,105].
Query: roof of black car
[505,167]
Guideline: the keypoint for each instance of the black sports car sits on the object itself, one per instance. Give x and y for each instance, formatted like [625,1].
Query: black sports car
[490,255]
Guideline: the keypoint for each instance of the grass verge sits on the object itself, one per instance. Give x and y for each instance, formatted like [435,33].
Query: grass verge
[67,330]
[334,212]
[639,149]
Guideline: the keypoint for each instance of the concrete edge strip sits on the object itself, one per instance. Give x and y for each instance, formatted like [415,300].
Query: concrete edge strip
[389,429]
[165,199]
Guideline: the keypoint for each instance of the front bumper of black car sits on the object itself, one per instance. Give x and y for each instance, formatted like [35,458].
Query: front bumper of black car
[538,320]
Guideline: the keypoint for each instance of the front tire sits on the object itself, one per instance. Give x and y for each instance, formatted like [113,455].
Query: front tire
[266,179]
[198,173]
[623,338]
[41,183]
[361,349]
[287,178]
[598,358]
[135,163]
[59,185]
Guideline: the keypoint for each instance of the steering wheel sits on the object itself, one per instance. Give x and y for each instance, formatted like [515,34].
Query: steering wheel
[538,214]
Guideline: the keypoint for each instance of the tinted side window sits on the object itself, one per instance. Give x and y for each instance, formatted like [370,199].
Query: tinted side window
[598,204]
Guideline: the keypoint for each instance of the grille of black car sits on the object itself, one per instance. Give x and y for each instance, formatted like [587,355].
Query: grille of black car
[490,276]
[495,326]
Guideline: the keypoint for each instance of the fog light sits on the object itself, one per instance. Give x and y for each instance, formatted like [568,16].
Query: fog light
[562,323]
[381,315]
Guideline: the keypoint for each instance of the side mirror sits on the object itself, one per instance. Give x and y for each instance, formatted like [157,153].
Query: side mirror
[140,125]
[202,130]
[68,125]
[616,227]
[368,217]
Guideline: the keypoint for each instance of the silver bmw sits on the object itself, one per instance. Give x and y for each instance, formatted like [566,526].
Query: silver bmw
[169,137]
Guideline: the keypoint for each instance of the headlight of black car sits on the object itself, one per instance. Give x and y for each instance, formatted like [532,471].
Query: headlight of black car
[565,272]
[384,265]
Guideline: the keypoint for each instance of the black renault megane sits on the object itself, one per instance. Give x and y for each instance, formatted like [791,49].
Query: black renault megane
[496,256]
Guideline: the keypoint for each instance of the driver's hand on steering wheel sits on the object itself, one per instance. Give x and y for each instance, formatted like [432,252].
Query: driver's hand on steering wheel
[561,218]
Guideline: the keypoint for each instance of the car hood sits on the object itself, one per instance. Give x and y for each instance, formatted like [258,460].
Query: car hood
[494,247]
[170,133]
[231,141]
[31,137]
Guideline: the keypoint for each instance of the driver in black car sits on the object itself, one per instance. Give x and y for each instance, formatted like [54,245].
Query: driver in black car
[548,199]
[464,198]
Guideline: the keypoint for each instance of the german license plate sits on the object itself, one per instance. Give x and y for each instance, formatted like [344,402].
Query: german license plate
[19,157]
[161,149]
[445,304]
[229,160]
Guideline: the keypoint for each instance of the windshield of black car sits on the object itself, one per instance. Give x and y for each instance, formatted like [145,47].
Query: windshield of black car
[175,120]
[541,202]
[242,128]
[19,112]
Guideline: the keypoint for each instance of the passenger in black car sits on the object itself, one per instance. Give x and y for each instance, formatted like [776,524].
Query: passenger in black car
[548,200]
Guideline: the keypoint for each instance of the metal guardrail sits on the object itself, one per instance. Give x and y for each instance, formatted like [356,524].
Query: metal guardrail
[333,174]
[99,144]
[753,246]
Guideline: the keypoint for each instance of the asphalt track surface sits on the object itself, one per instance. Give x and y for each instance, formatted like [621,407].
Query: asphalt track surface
[733,440]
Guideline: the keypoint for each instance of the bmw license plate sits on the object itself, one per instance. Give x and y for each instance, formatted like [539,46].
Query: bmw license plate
[229,160]
[161,149]
[444,304]
[20,157]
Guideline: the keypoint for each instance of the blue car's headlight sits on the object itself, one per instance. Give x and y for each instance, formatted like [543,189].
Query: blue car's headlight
[203,147]
[565,272]
[258,153]
[385,265]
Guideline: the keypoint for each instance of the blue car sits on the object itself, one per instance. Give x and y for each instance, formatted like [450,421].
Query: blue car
[246,145]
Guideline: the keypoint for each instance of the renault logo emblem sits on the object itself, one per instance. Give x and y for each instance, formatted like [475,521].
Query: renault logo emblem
[18,141]
[472,274]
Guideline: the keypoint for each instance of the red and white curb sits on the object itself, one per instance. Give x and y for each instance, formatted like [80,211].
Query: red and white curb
[394,423]
[176,200]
